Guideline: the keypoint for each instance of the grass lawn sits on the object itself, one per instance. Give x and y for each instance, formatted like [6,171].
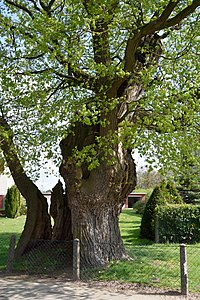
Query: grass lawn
[7,228]
[152,264]
[130,228]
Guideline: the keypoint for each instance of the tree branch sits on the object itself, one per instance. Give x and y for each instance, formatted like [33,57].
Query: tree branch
[36,202]
[20,6]
[182,15]
[47,7]
[160,23]
[35,5]
[103,17]
[34,72]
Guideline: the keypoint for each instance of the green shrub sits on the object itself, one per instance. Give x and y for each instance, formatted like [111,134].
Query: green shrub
[179,223]
[147,228]
[162,195]
[12,202]
[139,207]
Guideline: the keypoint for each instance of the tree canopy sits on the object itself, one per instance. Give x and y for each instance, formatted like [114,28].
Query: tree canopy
[63,61]
[102,78]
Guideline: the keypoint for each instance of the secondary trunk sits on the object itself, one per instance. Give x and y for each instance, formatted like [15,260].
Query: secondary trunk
[95,198]
[38,224]
[61,214]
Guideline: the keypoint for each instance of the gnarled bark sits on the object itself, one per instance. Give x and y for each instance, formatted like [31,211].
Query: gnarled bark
[95,200]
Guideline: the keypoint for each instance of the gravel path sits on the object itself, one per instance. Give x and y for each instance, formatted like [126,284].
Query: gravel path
[26,287]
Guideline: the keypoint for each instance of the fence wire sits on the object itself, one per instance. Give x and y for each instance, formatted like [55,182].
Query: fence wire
[155,265]
[193,263]
[46,257]
[147,264]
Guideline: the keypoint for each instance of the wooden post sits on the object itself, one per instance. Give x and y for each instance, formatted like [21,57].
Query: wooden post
[183,268]
[157,230]
[76,259]
[11,253]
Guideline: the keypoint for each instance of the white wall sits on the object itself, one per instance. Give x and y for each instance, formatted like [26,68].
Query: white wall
[5,182]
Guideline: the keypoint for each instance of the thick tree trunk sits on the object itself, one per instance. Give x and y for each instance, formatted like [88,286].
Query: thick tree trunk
[95,198]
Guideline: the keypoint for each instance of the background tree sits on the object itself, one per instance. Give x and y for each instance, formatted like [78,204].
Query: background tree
[104,78]
[147,179]
[189,183]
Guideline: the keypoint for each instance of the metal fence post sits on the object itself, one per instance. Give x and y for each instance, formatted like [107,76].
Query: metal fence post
[183,267]
[11,253]
[76,259]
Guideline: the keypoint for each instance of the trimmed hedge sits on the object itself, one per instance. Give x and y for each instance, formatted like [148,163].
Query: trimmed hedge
[178,223]
[147,228]
[162,195]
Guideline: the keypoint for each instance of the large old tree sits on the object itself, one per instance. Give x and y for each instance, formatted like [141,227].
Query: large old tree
[102,78]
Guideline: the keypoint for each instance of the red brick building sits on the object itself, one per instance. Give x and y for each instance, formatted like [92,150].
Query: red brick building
[133,198]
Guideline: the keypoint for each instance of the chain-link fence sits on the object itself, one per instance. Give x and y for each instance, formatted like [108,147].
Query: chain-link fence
[193,264]
[155,265]
[46,257]
[146,264]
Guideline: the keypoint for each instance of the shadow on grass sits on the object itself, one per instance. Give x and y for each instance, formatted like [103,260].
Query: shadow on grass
[4,246]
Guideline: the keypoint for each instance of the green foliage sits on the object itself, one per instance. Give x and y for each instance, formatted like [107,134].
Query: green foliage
[171,194]
[179,223]
[139,207]
[147,223]
[63,63]
[2,165]
[189,184]
[164,194]
[12,202]
[23,207]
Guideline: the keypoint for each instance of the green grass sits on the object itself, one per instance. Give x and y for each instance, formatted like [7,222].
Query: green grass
[7,228]
[152,264]
[130,228]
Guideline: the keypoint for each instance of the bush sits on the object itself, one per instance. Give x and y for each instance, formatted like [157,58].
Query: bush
[147,228]
[139,207]
[12,202]
[179,223]
[162,195]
